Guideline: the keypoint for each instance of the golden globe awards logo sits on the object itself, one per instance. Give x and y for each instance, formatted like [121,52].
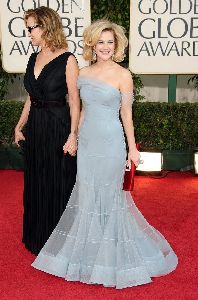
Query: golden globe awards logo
[16,44]
[165,33]
[177,28]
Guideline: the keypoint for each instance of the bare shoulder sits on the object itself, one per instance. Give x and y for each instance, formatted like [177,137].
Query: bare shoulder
[126,81]
[72,60]
[125,74]
[72,65]
[84,70]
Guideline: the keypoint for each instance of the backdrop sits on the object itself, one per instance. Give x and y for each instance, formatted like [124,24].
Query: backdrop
[15,44]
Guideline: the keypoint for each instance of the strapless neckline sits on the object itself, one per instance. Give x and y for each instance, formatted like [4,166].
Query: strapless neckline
[99,82]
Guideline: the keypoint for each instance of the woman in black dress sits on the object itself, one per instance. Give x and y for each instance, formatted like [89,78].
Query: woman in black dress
[49,173]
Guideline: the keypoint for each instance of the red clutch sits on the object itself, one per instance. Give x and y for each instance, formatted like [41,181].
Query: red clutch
[129,176]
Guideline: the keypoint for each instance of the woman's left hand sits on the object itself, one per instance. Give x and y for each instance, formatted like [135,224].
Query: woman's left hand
[71,145]
[133,156]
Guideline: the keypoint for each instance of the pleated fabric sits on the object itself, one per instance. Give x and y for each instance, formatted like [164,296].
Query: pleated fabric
[102,238]
[115,247]
[49,176]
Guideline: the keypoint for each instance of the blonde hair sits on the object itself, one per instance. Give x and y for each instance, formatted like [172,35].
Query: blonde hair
[51,23]
[92,34]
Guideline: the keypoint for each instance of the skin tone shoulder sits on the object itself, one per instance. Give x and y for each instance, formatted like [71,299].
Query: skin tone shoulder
[43,58]
[108,71]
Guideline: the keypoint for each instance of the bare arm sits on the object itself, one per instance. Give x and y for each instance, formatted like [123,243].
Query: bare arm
[83,71]
[126,88]
[72,72]
[22,121]
[82,113]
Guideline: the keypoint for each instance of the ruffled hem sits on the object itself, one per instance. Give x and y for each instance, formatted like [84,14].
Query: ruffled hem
[108,277]
[112,245]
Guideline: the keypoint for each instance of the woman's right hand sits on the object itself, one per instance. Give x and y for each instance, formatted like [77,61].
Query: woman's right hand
[71,145]
[18,137]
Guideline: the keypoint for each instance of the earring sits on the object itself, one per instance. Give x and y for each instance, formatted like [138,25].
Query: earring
[94,55]
[113,56]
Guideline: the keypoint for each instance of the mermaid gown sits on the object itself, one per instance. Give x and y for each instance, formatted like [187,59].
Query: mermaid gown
[102,237]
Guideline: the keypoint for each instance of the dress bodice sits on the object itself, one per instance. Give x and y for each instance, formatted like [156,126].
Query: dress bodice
[51,82]
[99,97]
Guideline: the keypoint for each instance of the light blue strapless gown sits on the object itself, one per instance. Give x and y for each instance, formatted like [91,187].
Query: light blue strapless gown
[102,237]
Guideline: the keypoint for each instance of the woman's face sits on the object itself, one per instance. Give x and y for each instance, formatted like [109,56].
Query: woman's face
[105,46]
[34,32]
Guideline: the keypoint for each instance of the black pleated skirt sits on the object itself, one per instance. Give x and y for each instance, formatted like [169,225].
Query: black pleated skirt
[49,176]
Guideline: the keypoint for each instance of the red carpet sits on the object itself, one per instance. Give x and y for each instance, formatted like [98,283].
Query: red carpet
[169,204]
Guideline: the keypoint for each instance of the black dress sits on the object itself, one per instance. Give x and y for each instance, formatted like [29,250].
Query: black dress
[49,176]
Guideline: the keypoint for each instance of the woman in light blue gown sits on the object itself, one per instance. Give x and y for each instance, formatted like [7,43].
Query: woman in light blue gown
[102,238]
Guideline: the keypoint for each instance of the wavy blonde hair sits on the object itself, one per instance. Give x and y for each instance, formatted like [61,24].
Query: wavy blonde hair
[92,34]
[51,23]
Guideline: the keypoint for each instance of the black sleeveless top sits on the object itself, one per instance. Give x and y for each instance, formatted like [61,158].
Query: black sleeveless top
[51,82]
[50,87]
